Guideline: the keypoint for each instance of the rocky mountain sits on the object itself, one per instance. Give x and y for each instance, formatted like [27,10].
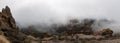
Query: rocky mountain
[8,29]
[74,32]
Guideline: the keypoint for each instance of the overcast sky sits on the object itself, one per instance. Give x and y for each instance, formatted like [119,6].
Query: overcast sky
[27,12]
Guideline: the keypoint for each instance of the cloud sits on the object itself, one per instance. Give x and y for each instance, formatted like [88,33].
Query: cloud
[27,12]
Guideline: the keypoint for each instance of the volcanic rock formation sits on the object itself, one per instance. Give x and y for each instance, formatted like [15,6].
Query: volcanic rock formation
[8,27]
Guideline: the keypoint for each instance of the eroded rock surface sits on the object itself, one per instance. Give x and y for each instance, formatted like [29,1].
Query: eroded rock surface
[105,32]
[8,27]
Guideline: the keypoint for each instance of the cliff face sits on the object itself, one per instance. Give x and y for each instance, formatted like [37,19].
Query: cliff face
[6,19]
[8,27]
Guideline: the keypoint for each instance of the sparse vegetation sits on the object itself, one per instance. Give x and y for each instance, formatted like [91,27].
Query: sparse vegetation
[116,35]
[32,31]
[75,26]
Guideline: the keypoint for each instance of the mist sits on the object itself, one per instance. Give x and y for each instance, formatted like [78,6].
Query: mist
[47,12]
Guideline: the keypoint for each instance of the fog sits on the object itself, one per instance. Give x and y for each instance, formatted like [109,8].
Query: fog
[32,12]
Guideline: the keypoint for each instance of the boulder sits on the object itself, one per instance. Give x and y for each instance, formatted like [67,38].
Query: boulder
[105,32]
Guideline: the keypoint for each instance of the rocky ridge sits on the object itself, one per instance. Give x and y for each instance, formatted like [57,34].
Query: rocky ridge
[8,28]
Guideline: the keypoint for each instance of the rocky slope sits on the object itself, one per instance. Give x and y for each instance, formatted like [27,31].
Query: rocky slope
[8,28]
[72,33]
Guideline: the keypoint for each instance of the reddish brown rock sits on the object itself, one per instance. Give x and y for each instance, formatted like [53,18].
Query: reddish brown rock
[9,28]
[3,39]
[104,32]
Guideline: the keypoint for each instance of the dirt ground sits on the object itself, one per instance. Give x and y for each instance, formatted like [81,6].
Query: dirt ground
[85,41]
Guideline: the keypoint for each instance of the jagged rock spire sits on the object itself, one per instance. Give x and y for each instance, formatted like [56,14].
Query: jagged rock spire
[8,26]
[7,19]
[6,10]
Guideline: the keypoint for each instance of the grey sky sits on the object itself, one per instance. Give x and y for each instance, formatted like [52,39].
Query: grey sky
[27,12]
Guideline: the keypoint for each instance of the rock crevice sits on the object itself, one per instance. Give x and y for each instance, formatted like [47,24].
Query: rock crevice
[8,27]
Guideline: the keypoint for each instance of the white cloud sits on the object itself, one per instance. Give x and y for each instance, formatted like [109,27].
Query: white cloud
[41,11]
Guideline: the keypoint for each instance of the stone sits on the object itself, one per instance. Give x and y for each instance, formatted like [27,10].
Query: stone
[8,27]
[105,32]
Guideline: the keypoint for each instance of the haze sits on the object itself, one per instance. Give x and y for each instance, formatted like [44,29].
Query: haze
[30,12]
